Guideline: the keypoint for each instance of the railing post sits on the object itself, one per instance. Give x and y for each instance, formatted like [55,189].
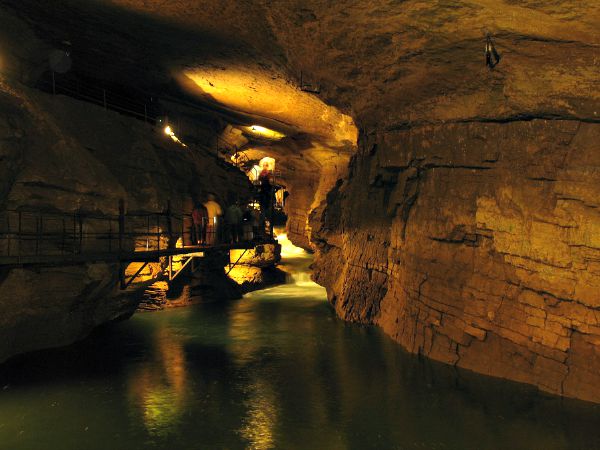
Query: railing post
[121,224]
[169,224]
[64,232]
[74,232]
[53,83]
[182,231]
[110,221]
[20,229]
[147,232]
[8,233]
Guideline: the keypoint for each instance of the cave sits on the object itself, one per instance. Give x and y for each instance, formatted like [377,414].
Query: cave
[299,224]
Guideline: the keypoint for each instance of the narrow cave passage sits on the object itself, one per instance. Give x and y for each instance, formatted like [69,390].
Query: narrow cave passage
[299,224]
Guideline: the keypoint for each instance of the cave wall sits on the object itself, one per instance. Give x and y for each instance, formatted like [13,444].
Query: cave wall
[302,188]
[476,244]
[308,186]
[61,155]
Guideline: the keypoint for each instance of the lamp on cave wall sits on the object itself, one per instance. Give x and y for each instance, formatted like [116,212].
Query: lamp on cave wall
[169,132]
[263,132]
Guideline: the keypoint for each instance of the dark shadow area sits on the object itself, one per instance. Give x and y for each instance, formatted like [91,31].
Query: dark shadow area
[120,45]
[102,354]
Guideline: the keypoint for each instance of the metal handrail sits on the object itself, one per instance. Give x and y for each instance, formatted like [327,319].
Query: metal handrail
[112,100]
[99,96]
[31,234]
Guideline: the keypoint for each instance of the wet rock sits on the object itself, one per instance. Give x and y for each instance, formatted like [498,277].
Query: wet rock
[477,248]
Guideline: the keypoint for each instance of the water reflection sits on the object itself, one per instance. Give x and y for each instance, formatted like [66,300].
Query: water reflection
[261,417]
[273,370]
[158,389]
[252,344]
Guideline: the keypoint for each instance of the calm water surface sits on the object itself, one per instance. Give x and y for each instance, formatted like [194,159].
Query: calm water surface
[273,370]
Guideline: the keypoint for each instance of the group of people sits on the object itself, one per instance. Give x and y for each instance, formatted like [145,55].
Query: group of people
[212,225]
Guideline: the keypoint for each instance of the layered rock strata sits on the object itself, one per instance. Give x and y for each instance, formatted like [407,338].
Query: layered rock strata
[475,244]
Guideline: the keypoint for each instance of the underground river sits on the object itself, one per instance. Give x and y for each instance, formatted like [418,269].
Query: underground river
[275,369]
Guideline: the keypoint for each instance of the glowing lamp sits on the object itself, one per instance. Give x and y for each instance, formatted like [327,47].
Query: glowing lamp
[263,132]
[169,132]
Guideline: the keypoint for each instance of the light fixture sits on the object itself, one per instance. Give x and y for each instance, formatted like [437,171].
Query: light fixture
[260,131]
[169,132]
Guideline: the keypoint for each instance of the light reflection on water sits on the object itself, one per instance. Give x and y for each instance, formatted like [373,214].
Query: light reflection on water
[273,370]
[159,390]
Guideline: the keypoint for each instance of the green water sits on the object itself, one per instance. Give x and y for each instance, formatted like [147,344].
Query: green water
[273,370]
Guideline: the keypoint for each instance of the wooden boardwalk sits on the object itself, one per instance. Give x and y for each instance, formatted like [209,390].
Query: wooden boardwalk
[35,239]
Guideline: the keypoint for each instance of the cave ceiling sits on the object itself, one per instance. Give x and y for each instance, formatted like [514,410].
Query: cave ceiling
[396,62]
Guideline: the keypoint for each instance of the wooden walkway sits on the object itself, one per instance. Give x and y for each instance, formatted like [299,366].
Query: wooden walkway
[42,239]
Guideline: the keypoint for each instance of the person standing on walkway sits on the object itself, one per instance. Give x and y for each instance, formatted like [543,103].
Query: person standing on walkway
[265,189]
[215,213]
[256,223]
[200,221]
[233,220]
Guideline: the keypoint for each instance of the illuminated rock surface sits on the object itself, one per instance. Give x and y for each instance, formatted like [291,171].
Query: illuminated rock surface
[467,226]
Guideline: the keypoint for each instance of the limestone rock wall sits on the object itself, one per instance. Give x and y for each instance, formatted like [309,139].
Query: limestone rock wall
[308,189]
[61,155]
[476,244]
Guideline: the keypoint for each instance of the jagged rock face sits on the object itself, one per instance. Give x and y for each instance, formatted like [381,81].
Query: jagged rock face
[308,189]
[476,245]
[383,60]
[308,173]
